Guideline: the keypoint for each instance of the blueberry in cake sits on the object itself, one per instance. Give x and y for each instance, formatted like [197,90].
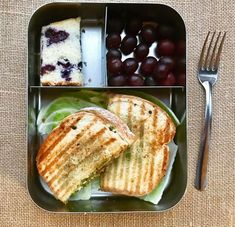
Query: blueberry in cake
[61,61]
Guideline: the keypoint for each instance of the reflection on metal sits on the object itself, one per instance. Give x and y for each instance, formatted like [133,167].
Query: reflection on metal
[93,46]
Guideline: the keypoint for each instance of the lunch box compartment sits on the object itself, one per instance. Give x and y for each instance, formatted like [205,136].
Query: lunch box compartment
[151,14]
[103,201]
[94,20]
[92,39]
[93,33]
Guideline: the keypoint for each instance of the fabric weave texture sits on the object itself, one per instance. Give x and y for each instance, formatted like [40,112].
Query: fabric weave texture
[213,207]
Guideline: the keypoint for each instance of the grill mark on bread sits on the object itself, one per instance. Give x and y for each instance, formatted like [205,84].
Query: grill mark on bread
[62,188]
[123,174]
[152,147]
[99,133]
[129,114]
[73,151]
[118,166]
[141,158]
[65,149]
[72,168]
[146,172]
[119,160]
[151,183]
[167,128]
[108,177]
[55,161]
[129,182]
[166,158]
[157,176]
[168,131]
[123,129]
[132,162]
[118,169]
[122,169]
[113,149]
[127,172]
[133,150]
[96,135]
[110,180]
[45,149]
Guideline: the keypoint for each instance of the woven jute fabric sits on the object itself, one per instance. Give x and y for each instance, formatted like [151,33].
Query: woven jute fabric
[214,207]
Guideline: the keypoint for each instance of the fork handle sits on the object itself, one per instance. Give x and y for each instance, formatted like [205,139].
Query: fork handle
[202,179]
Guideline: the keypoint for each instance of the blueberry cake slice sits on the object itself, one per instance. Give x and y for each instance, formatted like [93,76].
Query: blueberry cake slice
[61,61]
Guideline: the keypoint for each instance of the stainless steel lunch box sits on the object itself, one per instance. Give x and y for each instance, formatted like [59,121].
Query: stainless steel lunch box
[93,33]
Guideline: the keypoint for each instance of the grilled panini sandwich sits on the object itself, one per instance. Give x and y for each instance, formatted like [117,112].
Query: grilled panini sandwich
[79,149]
[139,169]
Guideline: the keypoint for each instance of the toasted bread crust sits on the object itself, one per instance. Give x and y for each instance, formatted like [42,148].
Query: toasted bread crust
[169,131]
[110,118]
[140,173]
[136,190]
[79,148]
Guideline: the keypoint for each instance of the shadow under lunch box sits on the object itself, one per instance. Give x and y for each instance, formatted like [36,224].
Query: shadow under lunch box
[94,18]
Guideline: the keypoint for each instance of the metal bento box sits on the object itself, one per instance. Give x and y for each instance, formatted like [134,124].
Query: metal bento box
[94,18]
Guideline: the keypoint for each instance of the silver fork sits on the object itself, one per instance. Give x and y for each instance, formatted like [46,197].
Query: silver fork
[207,75]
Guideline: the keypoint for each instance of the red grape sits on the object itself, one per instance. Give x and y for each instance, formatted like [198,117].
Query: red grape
[149,81]
[128,44]
[148,34]
[165,48]
[113,40]
[161,71]
[141,51]
[129,66]
[169,61]
[133,25]
[168,81]
[148,66]
[114,66]
[119,80]
[165,31]
[113,53]
[115,24]
[135,80]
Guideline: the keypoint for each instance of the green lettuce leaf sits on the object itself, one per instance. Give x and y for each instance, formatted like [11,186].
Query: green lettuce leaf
[98,98]
[50,116]
[85,193]
[156,195]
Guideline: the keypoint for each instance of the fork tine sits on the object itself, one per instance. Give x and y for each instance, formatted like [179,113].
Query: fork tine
[203,51]
[213,52]
[208,51]
[219,52]
[200,64]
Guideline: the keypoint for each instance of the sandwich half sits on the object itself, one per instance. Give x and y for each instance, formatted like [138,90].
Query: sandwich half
[79,149]
[139,170]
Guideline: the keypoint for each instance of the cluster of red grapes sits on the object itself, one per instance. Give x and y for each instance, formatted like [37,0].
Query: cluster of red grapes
[167,67]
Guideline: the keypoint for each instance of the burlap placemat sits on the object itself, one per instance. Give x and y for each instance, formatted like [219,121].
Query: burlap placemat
[214,207]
